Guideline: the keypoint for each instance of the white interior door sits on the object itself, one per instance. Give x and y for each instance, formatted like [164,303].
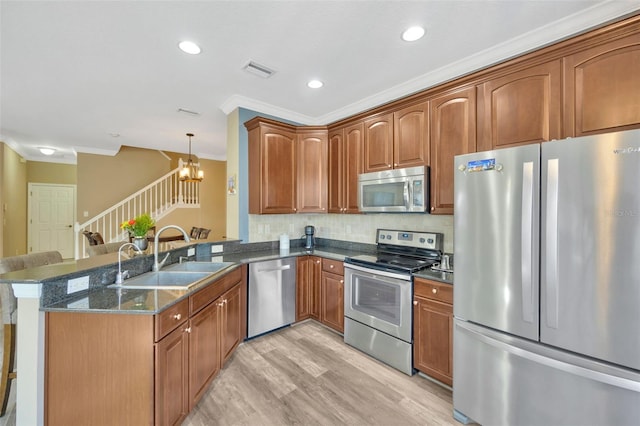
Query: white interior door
[51,218]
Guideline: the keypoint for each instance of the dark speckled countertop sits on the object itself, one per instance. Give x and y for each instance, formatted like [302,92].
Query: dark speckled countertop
[101,298]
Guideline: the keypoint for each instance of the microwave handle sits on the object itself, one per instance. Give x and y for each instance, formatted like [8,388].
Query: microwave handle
[407,195]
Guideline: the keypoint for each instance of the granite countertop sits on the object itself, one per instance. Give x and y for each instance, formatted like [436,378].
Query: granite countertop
[100,298]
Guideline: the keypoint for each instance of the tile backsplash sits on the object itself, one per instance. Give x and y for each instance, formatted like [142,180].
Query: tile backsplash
[347,227]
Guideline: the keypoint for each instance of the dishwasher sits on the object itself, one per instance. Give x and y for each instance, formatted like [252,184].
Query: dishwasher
[272,295]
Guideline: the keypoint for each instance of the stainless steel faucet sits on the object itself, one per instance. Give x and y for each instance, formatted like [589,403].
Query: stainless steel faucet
[120,276]
[158,265]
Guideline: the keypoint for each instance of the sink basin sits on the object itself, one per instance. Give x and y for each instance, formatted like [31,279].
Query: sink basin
[166,280]
[199,266]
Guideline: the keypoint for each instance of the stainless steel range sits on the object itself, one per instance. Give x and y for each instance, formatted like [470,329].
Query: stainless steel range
[379,293]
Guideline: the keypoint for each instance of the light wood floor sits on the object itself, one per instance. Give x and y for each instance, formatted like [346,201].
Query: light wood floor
[307,375]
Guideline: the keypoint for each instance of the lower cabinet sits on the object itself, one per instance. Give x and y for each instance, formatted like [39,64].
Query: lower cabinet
[308,269]
[142,369]
[332,294]
[433,329]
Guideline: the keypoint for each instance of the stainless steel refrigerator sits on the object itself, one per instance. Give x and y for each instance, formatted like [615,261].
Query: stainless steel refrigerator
[547,283]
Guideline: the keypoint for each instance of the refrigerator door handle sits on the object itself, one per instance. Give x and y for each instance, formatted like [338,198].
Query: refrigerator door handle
[526,241]
[591,374]
[551,234]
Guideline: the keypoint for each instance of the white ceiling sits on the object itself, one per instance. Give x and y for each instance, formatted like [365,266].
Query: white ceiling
[72,73]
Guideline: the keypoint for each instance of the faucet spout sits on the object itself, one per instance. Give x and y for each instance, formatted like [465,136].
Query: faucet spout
[158,265]
[120,276]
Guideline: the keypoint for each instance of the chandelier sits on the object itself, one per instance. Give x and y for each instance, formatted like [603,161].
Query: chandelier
[190,172]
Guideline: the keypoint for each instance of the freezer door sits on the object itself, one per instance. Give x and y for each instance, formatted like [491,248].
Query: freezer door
[590,250]
[496,240]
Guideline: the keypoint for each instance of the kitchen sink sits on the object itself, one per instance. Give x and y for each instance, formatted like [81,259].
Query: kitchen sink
[165,280]
[199,266]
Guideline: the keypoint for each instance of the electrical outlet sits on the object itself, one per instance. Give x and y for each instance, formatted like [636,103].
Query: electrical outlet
[78,284]
[216,249]
[216,259]
[191,251]
[79,304]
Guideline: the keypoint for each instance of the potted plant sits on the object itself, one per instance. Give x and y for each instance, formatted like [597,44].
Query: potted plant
[138,228]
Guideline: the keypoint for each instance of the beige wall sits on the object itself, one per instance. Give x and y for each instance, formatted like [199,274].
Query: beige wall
[105,180]
[14,202]
[43,172]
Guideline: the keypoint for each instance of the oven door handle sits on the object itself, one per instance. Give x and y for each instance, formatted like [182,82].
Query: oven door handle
[378,272]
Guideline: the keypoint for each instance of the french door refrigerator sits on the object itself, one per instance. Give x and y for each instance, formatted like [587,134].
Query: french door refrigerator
[547,283]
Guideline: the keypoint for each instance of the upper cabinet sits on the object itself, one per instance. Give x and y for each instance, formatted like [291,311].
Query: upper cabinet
[311,165]
[602,88]
[411,136]
[272,167]
[453,132]
[345,164]
[287,168]
[520,108]
[378,143]
[397,140]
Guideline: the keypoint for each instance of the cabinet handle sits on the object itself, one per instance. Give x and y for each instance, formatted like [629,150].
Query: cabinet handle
[434,290]
[177,317]
[188,329]
[415,303]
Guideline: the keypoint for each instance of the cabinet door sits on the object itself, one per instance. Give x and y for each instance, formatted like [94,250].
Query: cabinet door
[231,332]
[411,136]
[378,143]
[602,87]
[335,171]
[312,172]
[520,108]
[352,166]
[204,351]
[272,170]
[172,377]
[307,287]
[453,132]
[332,301]
[433,339]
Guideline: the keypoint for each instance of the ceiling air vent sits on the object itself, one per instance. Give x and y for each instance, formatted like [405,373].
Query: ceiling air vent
[259,70]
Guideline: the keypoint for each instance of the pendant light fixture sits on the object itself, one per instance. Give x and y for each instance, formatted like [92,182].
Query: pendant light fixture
[190,172]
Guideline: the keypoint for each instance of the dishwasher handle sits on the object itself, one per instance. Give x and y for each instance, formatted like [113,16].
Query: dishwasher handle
[279,268]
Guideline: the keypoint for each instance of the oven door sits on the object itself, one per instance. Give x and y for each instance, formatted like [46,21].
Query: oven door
[379,299]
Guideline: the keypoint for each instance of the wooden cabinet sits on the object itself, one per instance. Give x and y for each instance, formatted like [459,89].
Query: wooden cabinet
[332,294]
[453,132]
[398,139]
[378,143]
[433,329]
[142,369]
[311,182]
[287,168]
[520,108]
[308,270]
[411,136]
[345,164]
[602,88]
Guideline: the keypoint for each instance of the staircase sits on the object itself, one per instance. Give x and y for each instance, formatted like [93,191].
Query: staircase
[159,198]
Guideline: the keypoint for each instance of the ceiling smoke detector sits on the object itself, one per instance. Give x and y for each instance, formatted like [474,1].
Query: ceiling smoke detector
[259,70]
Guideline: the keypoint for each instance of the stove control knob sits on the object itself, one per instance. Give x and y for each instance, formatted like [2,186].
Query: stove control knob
[430,240]
[422,240]
[388,236]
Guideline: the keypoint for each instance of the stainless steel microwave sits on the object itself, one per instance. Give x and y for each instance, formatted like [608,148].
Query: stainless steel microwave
[394,191]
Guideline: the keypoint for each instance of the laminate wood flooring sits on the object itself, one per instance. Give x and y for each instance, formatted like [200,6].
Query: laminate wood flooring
[307,375]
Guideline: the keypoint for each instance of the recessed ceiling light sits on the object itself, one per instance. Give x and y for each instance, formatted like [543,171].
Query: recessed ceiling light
[47,151]
[189,47]
[315,84]
[413,34]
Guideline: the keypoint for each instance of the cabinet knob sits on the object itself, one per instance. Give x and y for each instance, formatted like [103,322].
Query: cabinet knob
[341,281]
[177,317]
[415,303]
[187,330]
[432,208]
[330,266]
[317,261]
[434,290]
[395,164]
[221,304]
[389,165]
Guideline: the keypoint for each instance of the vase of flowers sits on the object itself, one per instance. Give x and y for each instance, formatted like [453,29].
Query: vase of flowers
[138,228]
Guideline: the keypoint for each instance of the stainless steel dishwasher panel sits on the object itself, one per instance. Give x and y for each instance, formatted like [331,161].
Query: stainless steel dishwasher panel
[272,295]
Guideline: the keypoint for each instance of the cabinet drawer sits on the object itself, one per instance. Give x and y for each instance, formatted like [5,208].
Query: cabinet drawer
[433,290]
[333,266]
[211,292]
[172,317]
